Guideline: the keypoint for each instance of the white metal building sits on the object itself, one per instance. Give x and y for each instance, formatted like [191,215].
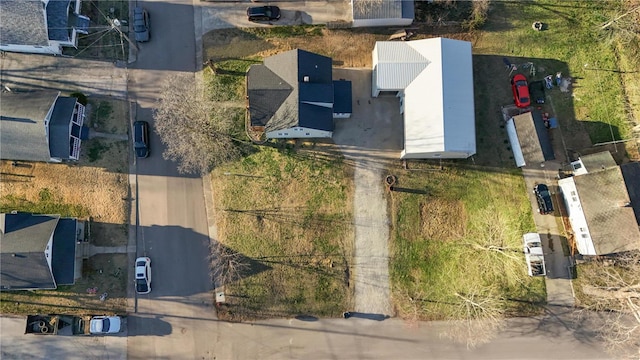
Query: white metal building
[434,80]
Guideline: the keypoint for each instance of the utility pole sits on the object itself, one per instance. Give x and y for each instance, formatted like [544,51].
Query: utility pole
[115,24]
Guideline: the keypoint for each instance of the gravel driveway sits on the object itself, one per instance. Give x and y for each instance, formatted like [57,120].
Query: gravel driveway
[372,140]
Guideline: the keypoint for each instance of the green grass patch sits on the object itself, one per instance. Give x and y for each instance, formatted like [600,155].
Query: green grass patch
[290,215]
[48,203]
[597,101]
[286,31]
[462,236]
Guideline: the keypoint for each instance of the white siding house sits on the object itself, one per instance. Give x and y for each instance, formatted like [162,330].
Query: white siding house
[41,26]
[434,80]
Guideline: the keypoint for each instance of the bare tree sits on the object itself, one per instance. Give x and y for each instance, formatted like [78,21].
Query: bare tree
[483,316]
[226,265]
[613,285]
[196,130]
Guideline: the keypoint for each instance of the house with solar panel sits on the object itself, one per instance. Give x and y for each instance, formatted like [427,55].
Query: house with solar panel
[39,251]
[292,95]
[41,26]
[41,126]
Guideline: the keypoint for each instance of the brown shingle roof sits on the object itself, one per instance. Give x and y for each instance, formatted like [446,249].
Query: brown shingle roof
[605,203]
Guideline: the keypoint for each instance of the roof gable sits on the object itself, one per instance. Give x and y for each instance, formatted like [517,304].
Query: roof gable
[23,241]
[290,89]
[22,125]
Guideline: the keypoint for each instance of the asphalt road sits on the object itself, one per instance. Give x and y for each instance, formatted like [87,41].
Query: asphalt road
[172,225]
[557,335]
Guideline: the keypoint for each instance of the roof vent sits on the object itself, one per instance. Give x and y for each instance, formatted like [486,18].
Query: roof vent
[305,79]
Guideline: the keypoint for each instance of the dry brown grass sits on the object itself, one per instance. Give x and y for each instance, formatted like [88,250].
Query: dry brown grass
[443,219]
[346,47]
[86,189]
[89,184]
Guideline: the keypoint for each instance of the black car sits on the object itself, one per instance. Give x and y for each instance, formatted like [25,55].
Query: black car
[536,91]
[543,196]
[141,138]
[263,13]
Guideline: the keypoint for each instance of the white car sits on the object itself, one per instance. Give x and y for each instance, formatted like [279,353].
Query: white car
[143,275]
[105,325]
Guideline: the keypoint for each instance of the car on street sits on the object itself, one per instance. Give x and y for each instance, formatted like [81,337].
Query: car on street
[520,91]
[141,24]
[263,13]
[543,196]
[105,324]
[143,275]
[141,138]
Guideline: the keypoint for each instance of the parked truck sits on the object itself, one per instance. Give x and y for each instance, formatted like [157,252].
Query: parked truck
[72,325]
[534,255]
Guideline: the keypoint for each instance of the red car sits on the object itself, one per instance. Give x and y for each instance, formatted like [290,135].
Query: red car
[520,91]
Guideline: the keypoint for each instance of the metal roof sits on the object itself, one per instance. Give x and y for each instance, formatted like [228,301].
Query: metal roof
[23,22]
[22,129]
[439,113]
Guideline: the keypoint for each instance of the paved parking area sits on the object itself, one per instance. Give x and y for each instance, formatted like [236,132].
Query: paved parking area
[224,15]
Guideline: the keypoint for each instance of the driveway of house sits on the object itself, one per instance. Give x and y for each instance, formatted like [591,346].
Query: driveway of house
[371,139]
[224,15]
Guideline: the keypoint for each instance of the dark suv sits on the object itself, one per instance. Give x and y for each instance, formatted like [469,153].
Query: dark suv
[263,13]
[141,138]
[543,196]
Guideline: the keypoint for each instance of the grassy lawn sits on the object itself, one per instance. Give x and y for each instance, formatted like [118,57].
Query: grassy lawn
[289,215]
[573,45]
[442,239]
[461,232]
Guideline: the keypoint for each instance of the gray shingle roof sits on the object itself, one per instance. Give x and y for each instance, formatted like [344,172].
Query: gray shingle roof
[598,161]
[22,129]
[23,241]
[612,223]
[23,22]
[285,91]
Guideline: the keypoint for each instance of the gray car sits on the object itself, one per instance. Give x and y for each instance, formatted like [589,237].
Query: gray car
[141,24]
